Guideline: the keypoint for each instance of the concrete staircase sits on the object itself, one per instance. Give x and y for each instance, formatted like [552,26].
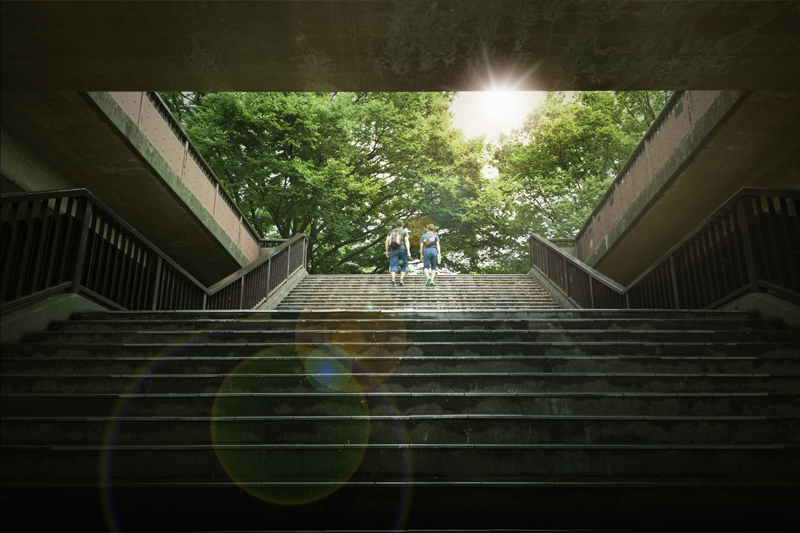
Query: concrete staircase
[504,419]
[462,291]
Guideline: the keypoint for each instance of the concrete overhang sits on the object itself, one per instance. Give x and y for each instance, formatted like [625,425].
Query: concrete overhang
[95,145]
[744,139]
[390,45]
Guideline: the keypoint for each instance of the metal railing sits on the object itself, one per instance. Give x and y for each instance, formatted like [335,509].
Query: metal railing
[750,244]
[59,241]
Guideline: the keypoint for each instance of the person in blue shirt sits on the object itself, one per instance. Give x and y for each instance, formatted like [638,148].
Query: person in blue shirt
[429,252]
[398,250]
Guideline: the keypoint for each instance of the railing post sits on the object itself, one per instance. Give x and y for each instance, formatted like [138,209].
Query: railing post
[591,292]
[241,293]
[305,252]
[288,260]
[80,255]
[674,282]
[746,246]
[156,282]
[269,274]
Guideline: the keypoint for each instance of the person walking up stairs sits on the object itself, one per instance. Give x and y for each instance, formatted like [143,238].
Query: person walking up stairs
[429,252]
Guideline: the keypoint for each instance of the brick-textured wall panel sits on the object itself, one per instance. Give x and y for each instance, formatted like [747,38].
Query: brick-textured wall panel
[701,101]
[130,103]
[228,219]
[199,184]
[248,246]
[151,122]
[606,216]
[584,243]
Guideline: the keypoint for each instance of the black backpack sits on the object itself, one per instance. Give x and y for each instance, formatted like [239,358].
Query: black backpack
[397,240]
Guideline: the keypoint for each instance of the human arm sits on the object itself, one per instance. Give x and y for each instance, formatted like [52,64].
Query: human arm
[388,241]
[408,246]
[438,247]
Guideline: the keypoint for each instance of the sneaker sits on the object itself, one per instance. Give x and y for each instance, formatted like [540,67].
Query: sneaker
[428,283]
[433,282]
[394,284]
[402,283]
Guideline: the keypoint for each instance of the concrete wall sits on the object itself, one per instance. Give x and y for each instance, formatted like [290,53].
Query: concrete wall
[27,169]
[694,163]
[55,140]
[191,169]
[648,158]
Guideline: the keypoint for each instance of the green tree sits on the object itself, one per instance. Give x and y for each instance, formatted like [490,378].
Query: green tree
[340,167]
[560,162]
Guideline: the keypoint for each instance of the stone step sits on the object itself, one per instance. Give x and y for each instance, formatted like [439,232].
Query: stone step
[541,315]
[396,350]
[521,363]
[353,424]
[408,382]
[306,463]
[347,333]
[195,404]
[414,324]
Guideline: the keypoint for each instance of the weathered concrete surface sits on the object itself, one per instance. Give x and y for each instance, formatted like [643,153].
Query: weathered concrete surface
[389,45]
[555,291]
[744,139]
[25,169]
[769,307]
[39,315]
[278,296]
[93,144]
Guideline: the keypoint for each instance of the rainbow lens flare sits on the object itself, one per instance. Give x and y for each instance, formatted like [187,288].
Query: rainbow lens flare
[275,458]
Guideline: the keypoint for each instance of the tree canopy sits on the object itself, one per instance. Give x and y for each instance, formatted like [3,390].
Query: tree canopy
[342,167]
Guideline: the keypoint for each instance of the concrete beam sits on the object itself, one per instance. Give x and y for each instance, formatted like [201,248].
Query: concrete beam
[743,139]
[65,140]
[388,45]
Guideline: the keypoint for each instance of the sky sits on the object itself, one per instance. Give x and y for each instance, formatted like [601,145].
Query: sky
[493,112]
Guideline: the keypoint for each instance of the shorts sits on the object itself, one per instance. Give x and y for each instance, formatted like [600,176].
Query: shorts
[400,257]
[429,256]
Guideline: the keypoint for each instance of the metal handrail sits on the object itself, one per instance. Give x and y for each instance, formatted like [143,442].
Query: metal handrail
[258,262]
[142,265]
[665,262]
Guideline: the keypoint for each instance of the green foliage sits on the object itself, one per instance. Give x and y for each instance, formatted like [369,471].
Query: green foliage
[339,167]
[559,163]
[342,167]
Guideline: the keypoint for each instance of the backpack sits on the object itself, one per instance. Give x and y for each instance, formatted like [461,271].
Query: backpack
[429,241]
[396,241]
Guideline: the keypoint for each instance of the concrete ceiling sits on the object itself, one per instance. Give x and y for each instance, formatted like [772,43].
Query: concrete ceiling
[382,45]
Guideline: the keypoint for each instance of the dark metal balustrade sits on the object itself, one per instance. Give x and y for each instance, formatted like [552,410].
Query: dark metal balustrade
[750,244]
[60,241]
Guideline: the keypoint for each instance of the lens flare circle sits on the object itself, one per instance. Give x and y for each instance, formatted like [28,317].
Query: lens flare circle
[368,345]
[295,464]
[417,227]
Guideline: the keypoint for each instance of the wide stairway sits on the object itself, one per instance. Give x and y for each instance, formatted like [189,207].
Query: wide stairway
[503,419]
[450,291]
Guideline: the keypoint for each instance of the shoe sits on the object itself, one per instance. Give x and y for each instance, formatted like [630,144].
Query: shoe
[433,282]
[394,284]
[428,283]
[402,283]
